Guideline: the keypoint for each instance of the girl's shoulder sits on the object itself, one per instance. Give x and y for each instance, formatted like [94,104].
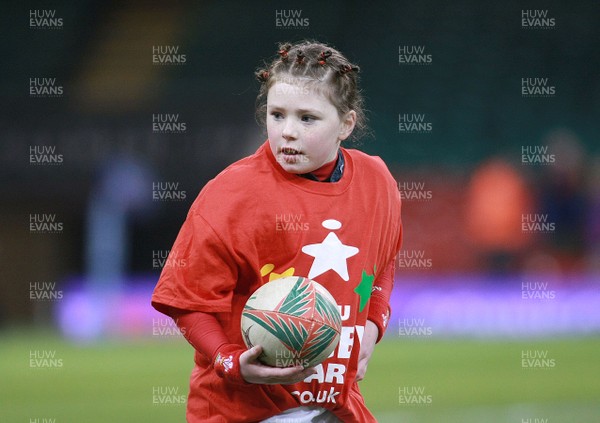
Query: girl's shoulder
[371,165]
[255,167]
[236,183]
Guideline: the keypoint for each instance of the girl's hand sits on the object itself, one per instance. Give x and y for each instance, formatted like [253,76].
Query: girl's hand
[367,346]
[253,371]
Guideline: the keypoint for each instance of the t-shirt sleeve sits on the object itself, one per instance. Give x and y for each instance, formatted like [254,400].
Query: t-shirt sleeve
[199,273]
[379,310]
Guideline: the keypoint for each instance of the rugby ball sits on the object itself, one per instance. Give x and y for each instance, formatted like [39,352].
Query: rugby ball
[295,320]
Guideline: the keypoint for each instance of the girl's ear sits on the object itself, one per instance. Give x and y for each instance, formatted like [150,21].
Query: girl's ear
[347,125]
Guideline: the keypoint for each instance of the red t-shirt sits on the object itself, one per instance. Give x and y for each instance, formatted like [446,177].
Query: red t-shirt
[254,223]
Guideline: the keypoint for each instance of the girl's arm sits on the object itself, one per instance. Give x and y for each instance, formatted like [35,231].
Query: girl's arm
[231,361]
[379,312]
[379,309]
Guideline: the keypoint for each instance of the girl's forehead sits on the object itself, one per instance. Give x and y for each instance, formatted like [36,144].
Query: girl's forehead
[300,89]
[299,97]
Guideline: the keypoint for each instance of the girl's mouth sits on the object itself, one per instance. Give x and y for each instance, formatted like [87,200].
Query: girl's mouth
[290,155]
[288,151]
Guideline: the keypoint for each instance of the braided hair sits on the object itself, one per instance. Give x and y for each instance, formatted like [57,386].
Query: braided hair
[318,65]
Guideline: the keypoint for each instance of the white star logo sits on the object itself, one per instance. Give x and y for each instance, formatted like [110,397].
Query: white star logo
[330,254]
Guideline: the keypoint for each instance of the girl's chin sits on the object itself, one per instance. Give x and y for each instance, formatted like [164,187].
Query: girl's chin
[297,170]
[294,165]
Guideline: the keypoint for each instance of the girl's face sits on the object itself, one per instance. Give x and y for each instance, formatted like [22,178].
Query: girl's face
[304,127]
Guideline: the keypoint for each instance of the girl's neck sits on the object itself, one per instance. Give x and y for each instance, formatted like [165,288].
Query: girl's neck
[324,172]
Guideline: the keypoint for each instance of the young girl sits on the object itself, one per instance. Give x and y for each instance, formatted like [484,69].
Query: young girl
[301,205]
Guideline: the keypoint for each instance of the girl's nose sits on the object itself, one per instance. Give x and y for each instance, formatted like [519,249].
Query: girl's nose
[289,130]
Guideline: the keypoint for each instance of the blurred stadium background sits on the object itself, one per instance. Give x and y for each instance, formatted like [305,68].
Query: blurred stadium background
[115,114]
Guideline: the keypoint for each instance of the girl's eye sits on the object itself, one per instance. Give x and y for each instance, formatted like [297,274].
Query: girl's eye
[308,118]
[276,115]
